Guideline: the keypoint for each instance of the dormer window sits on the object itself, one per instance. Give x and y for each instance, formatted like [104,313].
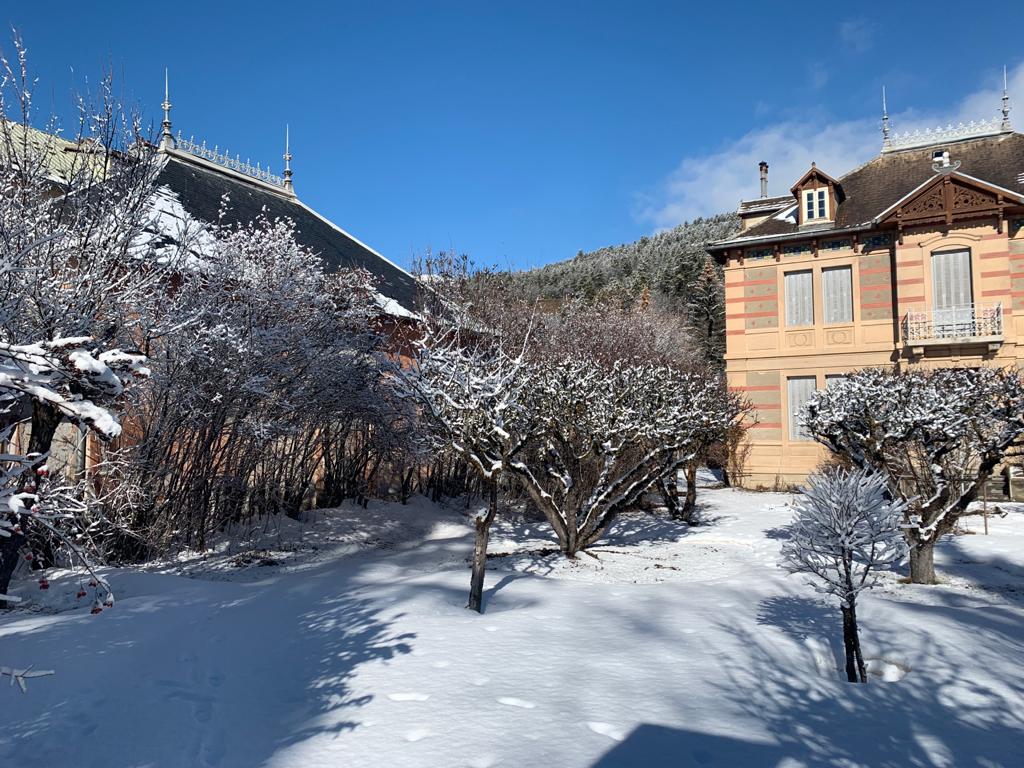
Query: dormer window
[816,204]
[818,196]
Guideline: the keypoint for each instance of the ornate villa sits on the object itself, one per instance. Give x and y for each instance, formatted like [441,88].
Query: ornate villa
[914,258]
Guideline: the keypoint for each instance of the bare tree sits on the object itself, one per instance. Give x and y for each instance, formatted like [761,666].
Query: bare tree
[605,436]
[471,386]
[846,530]
[936,436]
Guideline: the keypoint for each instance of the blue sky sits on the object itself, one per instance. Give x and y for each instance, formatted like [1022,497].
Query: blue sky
[522,132]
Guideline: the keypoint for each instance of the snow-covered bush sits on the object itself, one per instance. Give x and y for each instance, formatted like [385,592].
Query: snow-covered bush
[846,530]
[261,397]
[935,436]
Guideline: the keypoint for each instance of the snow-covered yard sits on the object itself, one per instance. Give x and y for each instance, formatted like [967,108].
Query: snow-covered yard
[347,644]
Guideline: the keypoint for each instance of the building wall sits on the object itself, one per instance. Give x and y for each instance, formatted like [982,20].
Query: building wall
[889,279]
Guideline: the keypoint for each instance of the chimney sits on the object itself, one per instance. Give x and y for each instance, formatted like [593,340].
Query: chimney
[764,178]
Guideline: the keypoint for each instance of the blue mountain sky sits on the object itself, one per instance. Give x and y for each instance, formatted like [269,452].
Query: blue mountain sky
[522,132]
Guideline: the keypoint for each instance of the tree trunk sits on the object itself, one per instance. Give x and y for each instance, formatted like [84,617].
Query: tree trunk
[690,501]
[483,532]
[670,495]
[922,562]
[45,420]
[855,670]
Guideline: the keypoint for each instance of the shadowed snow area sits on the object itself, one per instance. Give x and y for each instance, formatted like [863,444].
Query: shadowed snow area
[343,640]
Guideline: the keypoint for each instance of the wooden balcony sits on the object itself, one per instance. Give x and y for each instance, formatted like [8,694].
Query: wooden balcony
[966,325]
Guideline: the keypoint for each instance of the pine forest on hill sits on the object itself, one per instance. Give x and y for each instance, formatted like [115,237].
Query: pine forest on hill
[672,269]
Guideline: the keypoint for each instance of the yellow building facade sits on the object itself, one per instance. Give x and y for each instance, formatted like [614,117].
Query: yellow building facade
[916,258]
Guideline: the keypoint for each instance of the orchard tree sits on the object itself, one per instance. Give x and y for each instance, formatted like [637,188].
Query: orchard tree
[604,436]
[470,384]
[936,436]
[846,529]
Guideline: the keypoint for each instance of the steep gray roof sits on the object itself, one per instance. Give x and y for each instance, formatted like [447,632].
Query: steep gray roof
[201,190]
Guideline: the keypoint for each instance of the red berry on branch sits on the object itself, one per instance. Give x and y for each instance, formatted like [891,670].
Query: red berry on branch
[43,583]
[96,608]
[29,557]
[81,593]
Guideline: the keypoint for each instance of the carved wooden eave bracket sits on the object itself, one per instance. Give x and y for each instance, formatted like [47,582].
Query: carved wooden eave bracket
[948,197]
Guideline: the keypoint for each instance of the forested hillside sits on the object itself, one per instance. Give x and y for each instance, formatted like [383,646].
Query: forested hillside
[672,268]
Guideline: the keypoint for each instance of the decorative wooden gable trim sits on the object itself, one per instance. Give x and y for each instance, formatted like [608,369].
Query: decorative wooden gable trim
[814,178]
[949,197]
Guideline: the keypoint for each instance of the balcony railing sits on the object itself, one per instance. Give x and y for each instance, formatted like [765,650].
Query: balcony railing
[967,323]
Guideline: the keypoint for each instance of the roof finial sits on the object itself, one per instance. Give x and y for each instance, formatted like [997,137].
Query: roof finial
[886,141]
[1005,125]
[287,163]
[166,137]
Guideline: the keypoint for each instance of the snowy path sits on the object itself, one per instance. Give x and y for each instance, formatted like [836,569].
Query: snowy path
[693,649]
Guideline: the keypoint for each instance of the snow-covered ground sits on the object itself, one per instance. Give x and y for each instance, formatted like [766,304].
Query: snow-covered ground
[344,641]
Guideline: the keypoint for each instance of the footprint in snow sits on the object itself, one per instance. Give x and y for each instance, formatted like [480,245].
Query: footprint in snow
[606,729]
[416,734]
[513,702]
[408,696]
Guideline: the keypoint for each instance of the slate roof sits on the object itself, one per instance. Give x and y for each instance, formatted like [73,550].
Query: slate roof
[881,182]
[201,188]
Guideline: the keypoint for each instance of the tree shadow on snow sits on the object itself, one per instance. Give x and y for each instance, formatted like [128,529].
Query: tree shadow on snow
[930,717]
[232,674]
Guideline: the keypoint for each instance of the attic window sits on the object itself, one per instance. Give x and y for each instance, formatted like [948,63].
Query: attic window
[816,204]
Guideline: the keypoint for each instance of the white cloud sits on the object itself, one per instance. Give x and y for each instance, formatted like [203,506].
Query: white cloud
[704,185]
[856,35]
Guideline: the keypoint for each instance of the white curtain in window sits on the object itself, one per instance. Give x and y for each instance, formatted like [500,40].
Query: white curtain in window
[951,279]
[837,289]
[800,390]
[799,287]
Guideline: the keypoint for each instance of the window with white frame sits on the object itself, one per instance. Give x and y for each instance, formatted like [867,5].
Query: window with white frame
[816,204]
[799,391]
[837,294]
[799,295]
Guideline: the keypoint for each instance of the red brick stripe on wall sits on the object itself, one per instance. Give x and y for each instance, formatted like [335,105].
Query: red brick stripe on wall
[997,273]
[740,315]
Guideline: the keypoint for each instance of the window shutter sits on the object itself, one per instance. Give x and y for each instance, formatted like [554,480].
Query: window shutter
[951,279]
[799,288]
[800,390]
[837,287]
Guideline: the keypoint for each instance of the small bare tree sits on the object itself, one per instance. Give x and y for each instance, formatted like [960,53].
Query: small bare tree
[846,530]
[471,387]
